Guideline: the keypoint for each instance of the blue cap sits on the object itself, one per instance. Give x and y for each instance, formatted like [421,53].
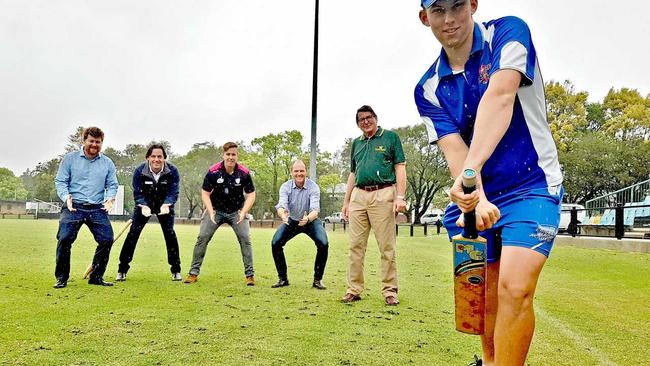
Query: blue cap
[427,3]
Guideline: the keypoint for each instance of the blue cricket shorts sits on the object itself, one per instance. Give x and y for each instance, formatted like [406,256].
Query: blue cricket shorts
[529,219]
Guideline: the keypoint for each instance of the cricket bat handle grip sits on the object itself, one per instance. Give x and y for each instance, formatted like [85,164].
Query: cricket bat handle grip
[469,186]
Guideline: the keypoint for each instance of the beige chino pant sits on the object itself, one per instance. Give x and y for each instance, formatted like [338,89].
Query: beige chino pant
[372,209]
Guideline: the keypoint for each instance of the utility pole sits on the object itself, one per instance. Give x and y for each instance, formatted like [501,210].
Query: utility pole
[314,93]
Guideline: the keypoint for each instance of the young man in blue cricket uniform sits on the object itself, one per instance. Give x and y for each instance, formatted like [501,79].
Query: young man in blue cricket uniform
[482,102]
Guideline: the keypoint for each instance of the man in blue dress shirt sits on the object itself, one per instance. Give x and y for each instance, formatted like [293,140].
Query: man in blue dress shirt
[87,183]
[298,207]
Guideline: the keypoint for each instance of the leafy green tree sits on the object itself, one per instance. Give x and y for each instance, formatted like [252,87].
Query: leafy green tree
[330,201]
[75,140]
[275,152]
[342,159]
[426,169]
[627,114]
[192,168]
[11,187]
[39,182]
[566,111]
[599,164]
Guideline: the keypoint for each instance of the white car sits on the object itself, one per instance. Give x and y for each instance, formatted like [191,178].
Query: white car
[335,217]
[565,215]
[431,218]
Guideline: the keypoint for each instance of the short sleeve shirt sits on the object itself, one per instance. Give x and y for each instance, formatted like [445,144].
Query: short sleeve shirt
[448,101]
[373,159]
[228,189]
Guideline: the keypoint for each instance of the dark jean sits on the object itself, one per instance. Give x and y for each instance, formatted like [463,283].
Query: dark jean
[286,232]
[171,241]
[69,224]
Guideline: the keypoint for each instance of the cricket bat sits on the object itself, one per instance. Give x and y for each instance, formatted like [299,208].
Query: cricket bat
[89,270]
[469,270]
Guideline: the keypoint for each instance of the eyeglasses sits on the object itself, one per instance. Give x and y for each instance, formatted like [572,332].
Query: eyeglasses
[365,119]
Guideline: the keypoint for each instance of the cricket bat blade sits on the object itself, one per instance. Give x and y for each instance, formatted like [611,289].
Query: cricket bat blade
[469,270]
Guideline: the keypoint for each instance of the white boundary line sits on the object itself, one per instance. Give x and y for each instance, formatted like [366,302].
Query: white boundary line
[579,340]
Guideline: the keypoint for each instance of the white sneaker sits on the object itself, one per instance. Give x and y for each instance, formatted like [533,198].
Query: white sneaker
[120,276]
[176,276]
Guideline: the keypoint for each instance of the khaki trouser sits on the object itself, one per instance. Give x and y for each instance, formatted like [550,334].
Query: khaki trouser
[372,209]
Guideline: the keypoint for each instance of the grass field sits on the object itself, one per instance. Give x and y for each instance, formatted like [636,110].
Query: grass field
[592,306]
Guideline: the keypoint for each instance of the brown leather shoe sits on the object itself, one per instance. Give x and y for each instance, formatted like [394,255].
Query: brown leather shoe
[191,278]
[391,300]
[250,281]
[350,298]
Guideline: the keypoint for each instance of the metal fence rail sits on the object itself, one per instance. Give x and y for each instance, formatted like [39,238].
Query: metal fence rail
[631,220]
[635,193]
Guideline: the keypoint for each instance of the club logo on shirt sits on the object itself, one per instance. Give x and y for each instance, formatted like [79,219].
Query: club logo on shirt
[380,149]
[237,180]
[220,180]
[484,73]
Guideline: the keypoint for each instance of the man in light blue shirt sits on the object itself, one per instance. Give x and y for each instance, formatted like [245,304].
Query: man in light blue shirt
[298,207]
[87,183]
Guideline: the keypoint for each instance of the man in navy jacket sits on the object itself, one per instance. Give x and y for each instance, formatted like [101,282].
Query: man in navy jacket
[155,190]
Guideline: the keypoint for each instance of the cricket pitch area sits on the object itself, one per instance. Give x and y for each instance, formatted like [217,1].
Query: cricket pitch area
[591,305]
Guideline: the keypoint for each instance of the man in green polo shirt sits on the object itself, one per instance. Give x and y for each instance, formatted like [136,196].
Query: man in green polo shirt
[375,194]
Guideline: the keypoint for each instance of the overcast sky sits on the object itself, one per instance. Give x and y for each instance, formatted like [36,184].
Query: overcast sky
[219,70]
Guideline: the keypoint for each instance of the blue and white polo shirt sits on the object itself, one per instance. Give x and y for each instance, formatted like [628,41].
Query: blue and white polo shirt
[447,101]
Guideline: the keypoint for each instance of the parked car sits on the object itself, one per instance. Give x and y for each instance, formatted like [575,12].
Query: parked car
[335,217]
[565,215]
[431,218]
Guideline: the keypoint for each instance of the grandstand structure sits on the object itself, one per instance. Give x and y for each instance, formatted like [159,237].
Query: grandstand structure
[623,213]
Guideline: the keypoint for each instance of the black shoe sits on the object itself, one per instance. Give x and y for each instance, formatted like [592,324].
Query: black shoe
[60,283]
[99,281]
[281,283]
[477,362]
[319,285]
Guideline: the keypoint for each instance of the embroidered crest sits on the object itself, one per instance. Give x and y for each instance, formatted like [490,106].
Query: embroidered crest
[237,180]
[484,73]
[380,149]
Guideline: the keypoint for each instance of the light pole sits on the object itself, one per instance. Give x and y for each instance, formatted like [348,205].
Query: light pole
[314,90]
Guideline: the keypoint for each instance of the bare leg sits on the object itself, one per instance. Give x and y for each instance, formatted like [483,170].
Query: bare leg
[515,320]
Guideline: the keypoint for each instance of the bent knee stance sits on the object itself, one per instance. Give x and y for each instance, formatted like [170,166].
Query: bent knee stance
[518,296]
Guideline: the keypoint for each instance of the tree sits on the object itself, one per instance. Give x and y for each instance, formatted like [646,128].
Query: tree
[342,159]
[566,111]
[627,114]
[11,187]
[330,201]
[192,168]
[599,164]
[426,169]
[275,152]
[75,140]
[40,181]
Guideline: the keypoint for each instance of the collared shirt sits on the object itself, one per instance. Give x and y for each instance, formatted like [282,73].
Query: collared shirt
[156,176]
[87,180]
[448,101]
[299,200]
[373,159]
[227,190]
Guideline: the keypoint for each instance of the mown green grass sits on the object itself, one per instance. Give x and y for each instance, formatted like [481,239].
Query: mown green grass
[592,305]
